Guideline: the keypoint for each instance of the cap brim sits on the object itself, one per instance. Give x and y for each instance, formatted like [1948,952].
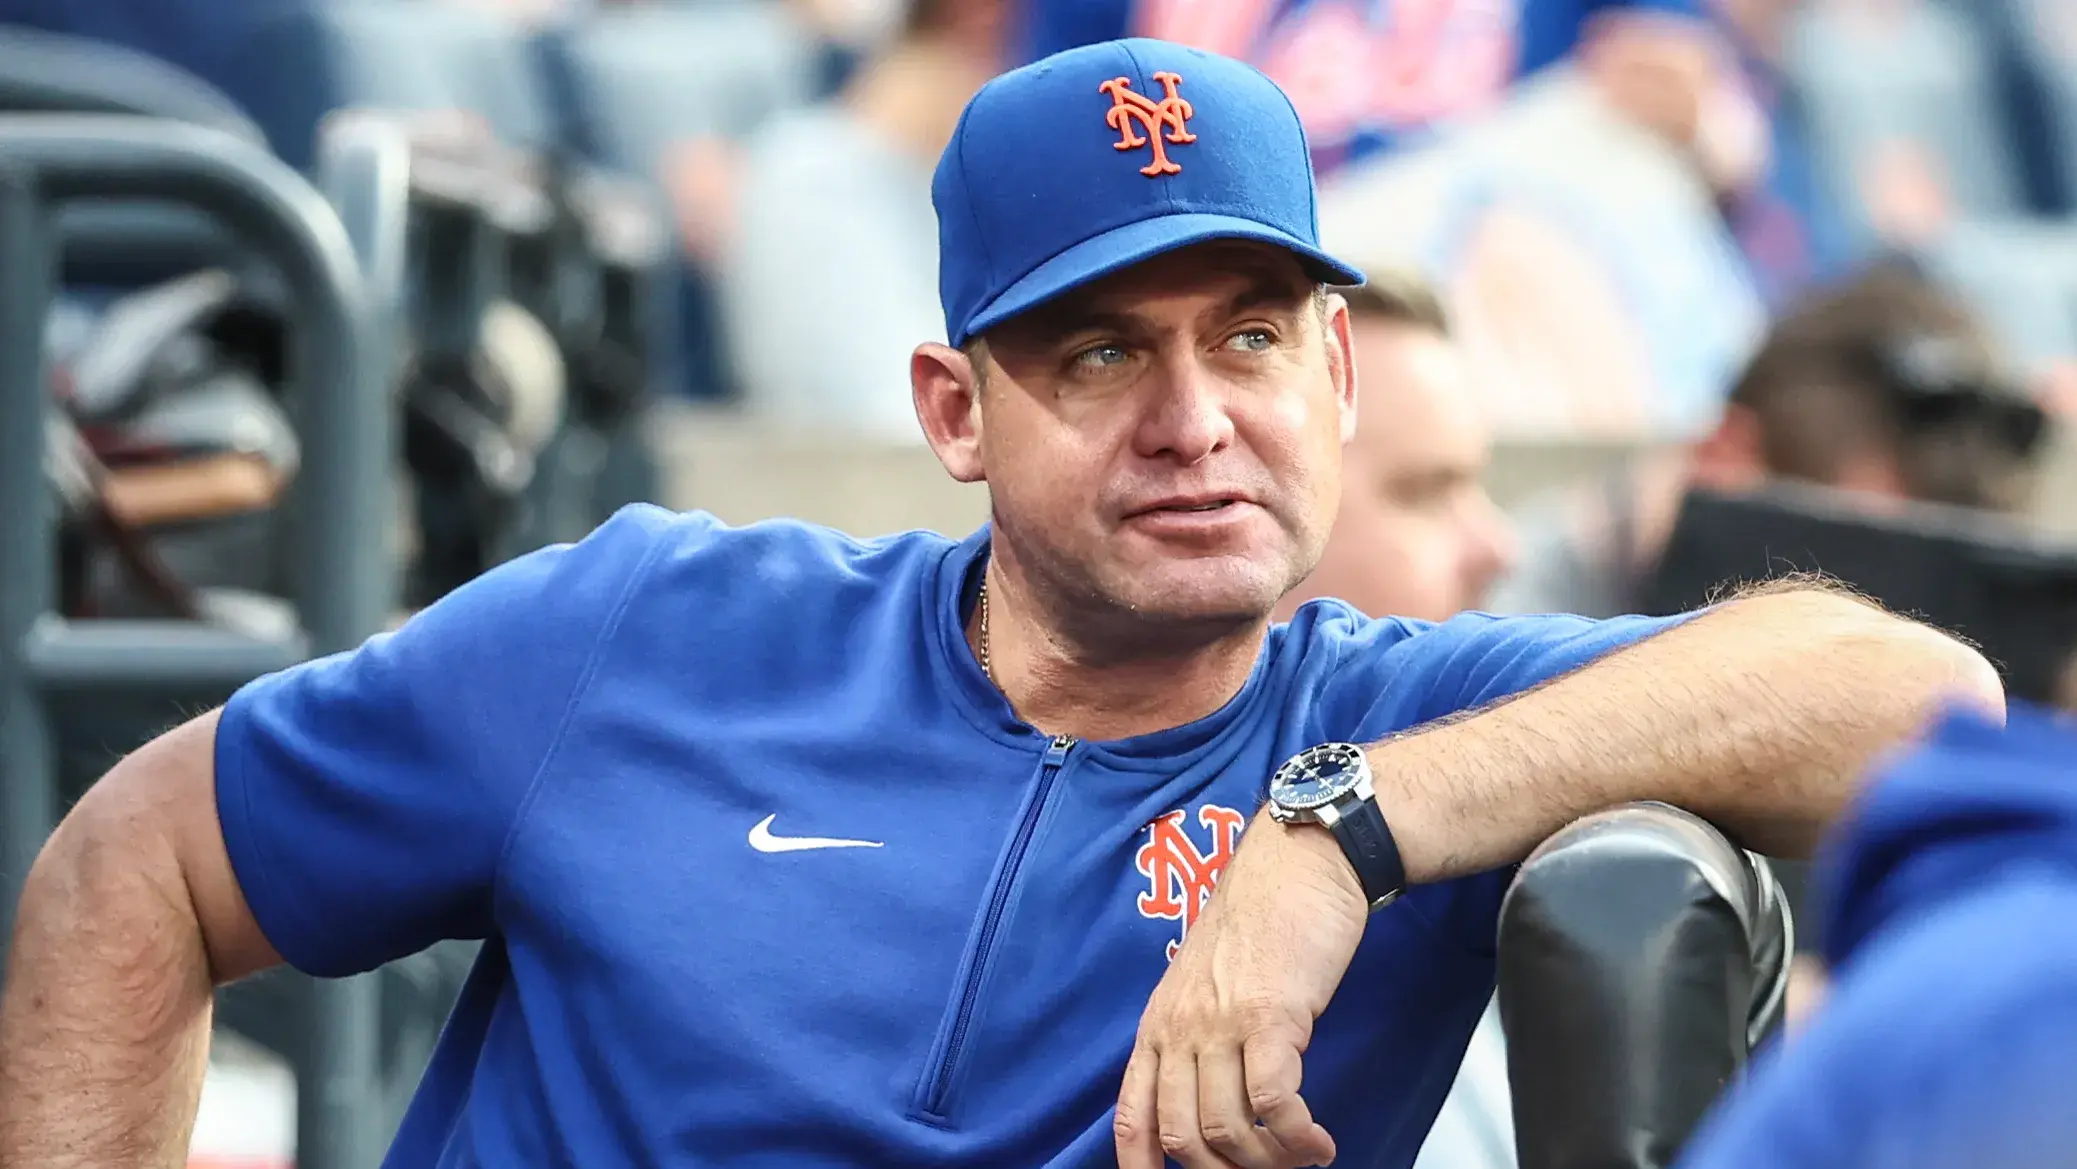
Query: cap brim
[1122,247]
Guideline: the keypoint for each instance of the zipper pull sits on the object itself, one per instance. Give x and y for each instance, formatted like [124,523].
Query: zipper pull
[1056,751]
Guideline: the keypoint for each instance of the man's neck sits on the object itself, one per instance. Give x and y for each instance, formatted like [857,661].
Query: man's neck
[1062,687]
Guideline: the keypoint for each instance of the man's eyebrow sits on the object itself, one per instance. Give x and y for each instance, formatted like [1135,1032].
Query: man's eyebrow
[1049,326]
[1266,290]
[1054,323]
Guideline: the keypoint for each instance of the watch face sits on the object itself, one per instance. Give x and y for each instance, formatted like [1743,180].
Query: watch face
[1316,777]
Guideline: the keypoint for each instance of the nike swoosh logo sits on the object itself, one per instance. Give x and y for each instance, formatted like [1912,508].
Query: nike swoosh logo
[762,840]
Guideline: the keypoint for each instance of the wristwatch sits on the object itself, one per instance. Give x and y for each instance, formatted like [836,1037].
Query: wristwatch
[1330,785]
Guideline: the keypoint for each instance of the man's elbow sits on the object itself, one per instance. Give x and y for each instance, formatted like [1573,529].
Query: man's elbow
[101,863]
[1936,667]
[141,861]
[1972,681]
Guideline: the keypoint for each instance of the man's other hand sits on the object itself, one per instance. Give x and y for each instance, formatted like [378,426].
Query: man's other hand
[1221,1041]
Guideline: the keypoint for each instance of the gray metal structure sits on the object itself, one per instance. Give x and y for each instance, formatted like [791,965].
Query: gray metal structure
[339,505]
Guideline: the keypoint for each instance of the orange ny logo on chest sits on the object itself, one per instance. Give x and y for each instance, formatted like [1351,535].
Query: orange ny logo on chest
[1182,875]
[1165,123]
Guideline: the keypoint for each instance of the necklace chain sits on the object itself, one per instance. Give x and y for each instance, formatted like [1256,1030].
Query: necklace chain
[981,648]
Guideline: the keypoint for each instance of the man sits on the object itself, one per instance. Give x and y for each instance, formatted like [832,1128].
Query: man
[1884,388]
[1948,1038]
[792,849]
[1416,534]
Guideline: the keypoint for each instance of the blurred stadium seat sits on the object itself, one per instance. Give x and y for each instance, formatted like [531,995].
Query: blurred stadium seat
[301,63]
[111,244]
[51,72]
[632,81]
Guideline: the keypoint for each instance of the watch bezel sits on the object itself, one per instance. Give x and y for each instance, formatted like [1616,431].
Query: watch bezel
[1354,767]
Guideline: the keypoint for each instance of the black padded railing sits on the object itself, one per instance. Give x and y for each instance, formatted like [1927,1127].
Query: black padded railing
[1642,956]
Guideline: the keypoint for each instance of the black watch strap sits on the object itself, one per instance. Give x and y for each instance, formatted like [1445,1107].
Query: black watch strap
[1367,841]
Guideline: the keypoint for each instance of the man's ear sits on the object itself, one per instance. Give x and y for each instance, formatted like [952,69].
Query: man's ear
[948,404]
[1341,362]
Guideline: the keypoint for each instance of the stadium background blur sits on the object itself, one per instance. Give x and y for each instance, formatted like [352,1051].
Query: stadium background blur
[1613,235]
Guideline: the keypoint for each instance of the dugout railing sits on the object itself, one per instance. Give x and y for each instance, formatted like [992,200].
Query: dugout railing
[1643,957]
[339,399]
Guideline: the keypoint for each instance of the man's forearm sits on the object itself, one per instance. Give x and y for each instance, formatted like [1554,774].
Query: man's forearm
[1758,716]
[104,1026]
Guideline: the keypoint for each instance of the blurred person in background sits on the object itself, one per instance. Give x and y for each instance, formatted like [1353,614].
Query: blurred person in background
[1369,76]
[1886,388]
[1946,1036]
[828,262]
[1416,534]
[1787,225]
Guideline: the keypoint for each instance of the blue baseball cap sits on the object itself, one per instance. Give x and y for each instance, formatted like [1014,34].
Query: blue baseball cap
[1095,159]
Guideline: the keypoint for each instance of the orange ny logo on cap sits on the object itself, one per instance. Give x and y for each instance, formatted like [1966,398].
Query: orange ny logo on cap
[1171,115]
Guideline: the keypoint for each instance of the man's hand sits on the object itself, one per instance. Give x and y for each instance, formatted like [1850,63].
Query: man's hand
[1220,1043]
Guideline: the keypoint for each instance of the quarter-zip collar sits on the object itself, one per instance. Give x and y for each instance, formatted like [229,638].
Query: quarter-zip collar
[954,592]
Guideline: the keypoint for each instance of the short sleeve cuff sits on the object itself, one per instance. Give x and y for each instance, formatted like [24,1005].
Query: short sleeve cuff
[286,929]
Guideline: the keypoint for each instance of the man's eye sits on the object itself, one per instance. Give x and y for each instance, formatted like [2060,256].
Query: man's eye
[1101,356]
[1252,340]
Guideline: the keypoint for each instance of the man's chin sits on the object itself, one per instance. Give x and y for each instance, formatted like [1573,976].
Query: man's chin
[1207,589]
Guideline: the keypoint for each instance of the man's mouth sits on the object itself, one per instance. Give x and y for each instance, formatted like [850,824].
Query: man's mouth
[1197,505]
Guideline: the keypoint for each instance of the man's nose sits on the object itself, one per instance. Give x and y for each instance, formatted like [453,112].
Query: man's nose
[1185,418]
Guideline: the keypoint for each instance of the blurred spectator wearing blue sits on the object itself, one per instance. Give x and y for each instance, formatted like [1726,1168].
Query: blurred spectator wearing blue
[1787,224]
[1948,1037]
[1885,389]
[1372,75]
[829,267]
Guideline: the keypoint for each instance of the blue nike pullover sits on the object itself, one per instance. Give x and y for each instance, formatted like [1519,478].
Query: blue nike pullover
[771,876]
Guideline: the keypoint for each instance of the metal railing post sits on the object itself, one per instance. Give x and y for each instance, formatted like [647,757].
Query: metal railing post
[338,507]
[28,804]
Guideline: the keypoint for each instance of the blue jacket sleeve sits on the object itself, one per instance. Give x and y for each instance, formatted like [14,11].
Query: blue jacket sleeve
[366,797]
